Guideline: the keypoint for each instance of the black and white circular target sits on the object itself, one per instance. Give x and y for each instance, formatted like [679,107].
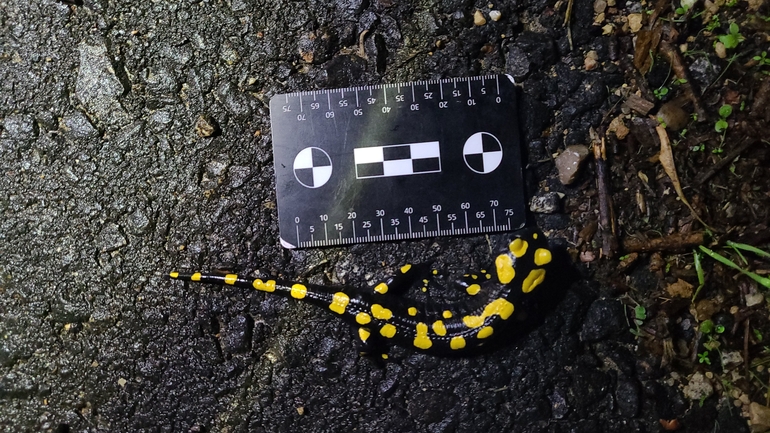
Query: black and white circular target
[482,152]
[312,167]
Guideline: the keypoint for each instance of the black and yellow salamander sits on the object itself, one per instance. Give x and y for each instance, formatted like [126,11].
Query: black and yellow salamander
[383,318]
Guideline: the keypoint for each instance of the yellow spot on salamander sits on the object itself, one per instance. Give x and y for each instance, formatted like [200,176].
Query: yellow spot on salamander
[174,275]
[384,355]
[475,277]
[340,301]
[473,289]
[363,334]
[535,277]
[534,235]
[489,276]
[439,328]
[265,286]
[447,314]
[473,321]
[457,343]
[412,311]
[434,272]
[518,247]
[363,318]
[405,268]
[500,307]
[504,265]
[195,277]
[542,257]
[424,289]
[298,291]
[421,339]
[230,279]
[381,288]
[388,330]
[379,312]
[485,332]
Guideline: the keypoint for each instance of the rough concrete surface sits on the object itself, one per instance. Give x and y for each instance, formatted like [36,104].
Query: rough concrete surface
[105,186]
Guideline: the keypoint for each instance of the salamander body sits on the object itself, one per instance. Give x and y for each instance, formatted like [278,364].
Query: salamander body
[383,318]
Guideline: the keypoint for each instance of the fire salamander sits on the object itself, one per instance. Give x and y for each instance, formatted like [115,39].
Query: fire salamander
[382,318]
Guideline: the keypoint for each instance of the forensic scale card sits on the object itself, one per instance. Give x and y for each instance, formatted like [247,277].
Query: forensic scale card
[397,161]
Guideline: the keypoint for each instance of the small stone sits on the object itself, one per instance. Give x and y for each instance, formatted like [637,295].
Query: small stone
[720,49]
[122,382]
[759,417]
[600,6]
[111,238]
[635,22]
[698,388]
[591,60]
[605,318]
[20,126]
[568,162]
[495,15]
[753,299]
[672,115]
[478,18]
[731,359]
[77,126]
[205,126]
[546,203]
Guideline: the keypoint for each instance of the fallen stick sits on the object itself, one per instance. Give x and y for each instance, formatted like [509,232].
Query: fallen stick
[677,242]
[606,220]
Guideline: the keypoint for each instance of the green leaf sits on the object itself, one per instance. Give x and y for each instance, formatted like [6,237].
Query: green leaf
[707,326]
[640,313]
[725,111]
[734,29]
[721,125]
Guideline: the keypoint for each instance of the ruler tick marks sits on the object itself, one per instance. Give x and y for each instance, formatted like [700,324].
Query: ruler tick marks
[441,89]
[385,93]
[329,98]
[469,88]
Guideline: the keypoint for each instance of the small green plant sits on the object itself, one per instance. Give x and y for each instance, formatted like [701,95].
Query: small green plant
[640,315]
[732,38]
[699,271]
[724,112]
[713,24]
[721,125]
[738,247]
[762,59]
[703,358]
[731,3]
[661,92]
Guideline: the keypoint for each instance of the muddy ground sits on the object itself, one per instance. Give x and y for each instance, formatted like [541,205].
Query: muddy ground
[135,139]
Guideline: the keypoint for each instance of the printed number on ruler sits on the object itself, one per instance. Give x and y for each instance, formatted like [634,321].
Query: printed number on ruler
[397,161]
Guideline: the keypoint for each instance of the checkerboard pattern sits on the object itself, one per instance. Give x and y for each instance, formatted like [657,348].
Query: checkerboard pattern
[397,160]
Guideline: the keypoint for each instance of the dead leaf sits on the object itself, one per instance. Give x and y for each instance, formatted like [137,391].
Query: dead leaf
[669,166]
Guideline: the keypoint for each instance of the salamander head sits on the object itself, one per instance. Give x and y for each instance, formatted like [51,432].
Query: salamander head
[523,263]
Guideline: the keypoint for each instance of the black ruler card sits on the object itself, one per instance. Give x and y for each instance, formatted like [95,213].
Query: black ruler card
[397,161]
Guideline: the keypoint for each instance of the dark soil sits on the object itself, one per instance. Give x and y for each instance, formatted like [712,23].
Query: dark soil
[135,139]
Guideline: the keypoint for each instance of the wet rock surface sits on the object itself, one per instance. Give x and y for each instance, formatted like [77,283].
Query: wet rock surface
[107,183]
